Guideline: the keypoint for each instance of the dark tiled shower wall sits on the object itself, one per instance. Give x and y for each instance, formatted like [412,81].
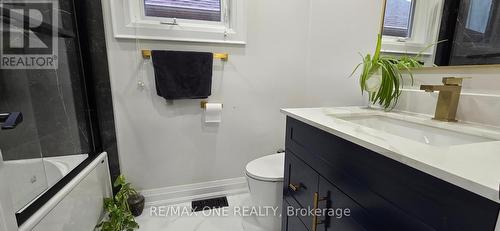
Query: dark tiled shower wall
[23,142]
[94,51]
[52,102]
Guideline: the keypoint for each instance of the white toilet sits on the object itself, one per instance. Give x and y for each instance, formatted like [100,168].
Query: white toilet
[265,180]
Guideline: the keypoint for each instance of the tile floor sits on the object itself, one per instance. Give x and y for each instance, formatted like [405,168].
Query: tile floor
[200,221]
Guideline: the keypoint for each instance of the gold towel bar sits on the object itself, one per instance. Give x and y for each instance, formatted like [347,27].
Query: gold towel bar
[203,104]
[222,56]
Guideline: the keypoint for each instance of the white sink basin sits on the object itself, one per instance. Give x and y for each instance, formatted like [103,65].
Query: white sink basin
[415,131]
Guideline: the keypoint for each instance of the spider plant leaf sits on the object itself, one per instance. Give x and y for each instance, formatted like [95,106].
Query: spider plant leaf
[384,87]
[359,64]
[355,69]
[367,68]
[421,52]
[391,77]
[395,77]
[378,49]
[410,73]
[390,86]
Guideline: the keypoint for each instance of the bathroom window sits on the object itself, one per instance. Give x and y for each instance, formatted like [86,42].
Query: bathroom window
[479,15]
[212,21]
[411,25]
[399,18]
[205,10]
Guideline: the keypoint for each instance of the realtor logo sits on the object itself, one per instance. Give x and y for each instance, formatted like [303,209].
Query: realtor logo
[29,34]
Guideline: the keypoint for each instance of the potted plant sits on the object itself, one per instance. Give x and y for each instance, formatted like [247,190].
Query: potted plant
[382,76]
[122,208]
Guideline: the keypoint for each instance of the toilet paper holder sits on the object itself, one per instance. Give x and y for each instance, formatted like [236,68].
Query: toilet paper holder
[203,104]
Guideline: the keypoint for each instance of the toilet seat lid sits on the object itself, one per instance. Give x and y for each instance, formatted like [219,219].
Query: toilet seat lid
[267,168]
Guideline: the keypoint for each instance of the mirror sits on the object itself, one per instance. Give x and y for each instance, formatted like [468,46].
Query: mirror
[468,31]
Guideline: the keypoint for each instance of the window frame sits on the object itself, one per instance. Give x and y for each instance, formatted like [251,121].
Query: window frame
[129,21]
[424,30]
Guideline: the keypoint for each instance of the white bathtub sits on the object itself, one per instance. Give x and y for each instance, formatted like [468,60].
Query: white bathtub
[29,178]
[58,167]
[78,206]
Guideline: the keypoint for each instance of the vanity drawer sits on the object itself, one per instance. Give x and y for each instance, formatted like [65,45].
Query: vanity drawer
[292,223]
[349,215]
[301,181]
[394,194]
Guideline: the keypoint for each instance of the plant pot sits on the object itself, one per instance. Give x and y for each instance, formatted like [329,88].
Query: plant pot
[373,83]
[369,103]
[372,86]
[136,204]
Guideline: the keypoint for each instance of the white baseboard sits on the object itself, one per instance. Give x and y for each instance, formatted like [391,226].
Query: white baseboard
[184,193]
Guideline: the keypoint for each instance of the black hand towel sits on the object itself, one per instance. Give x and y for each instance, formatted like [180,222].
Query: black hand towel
[183,75]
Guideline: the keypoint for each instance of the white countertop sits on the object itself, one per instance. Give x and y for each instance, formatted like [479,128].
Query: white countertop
[474,167]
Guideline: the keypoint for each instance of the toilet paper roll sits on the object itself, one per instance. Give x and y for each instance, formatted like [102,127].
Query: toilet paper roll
[213,113]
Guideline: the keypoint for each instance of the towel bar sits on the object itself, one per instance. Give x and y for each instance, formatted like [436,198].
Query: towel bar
[222,56]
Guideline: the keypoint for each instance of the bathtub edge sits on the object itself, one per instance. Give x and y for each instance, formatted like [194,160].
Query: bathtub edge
[59,196]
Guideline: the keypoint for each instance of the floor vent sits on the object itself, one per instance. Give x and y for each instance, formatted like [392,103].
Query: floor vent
[208,204]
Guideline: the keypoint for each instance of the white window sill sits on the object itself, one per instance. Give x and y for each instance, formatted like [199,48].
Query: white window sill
[407,48]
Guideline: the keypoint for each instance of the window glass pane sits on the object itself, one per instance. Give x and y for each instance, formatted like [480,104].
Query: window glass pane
[479,15]
[207,10]
[398,18]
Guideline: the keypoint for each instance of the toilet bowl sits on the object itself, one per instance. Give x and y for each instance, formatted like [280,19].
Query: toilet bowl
[265,181]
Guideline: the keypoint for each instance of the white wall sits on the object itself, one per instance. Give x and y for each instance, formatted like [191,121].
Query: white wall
[339,31]
[298,54]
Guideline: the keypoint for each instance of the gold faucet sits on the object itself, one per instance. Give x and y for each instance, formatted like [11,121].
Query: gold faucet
[449,95]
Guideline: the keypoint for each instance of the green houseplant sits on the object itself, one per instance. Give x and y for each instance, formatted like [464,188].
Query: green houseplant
[382,76]
[118,209]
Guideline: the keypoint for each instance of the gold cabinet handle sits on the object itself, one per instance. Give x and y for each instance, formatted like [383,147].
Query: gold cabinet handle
[294,187]
[316,201]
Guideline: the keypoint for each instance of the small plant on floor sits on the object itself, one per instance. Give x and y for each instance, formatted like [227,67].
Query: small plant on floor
[382,76]
[120,217]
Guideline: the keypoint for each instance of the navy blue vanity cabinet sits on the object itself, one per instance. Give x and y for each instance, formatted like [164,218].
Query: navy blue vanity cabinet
[301,183]
[381,193]
[342,213]
[308,190]
[292,223]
